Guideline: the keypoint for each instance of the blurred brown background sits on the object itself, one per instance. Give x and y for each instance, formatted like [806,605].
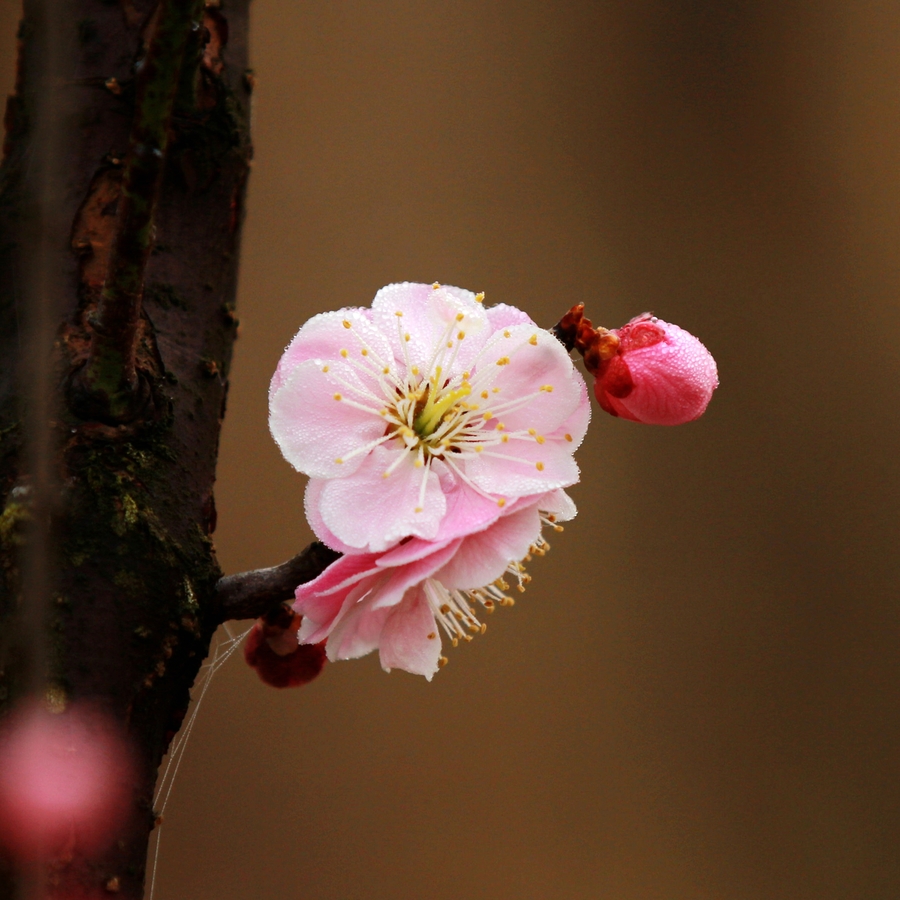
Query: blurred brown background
[698,696]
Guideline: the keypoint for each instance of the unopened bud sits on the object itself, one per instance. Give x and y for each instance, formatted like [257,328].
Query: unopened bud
[648,370]
[272,650]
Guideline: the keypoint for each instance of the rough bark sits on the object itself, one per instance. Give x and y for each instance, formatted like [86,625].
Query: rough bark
[129,569]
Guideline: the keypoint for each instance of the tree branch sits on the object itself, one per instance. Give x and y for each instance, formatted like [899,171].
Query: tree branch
[108,386]
[250,595]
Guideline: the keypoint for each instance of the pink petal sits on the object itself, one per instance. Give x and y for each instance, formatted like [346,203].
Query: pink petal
[515,472]
[324,336]
[427,318]
[312,502]
[391,591]
[531,370]
[331,609]
[405,642]
[371,512]
[357,632]
[482,558]
[503,316]
[313,428]
[559,504]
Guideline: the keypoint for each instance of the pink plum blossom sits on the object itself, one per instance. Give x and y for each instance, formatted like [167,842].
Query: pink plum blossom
[399,600]
[64,781]
[426,416]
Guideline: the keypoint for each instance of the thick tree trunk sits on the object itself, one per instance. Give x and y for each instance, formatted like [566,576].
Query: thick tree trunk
[121,515]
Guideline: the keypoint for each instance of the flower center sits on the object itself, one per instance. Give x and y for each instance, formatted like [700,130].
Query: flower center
[429,412]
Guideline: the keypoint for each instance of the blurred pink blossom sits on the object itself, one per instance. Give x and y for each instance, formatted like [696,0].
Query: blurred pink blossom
[425,416]
[398,601]
[65,780]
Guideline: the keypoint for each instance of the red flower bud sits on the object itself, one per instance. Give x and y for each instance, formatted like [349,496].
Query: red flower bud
[272,649]
[647,371]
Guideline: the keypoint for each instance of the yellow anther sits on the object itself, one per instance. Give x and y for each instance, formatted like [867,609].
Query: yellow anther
[483,628]
[569,438]
[324,368]
[547,387]
[539,438]
[460,317]
[460,335]
[347,323]
[386,370]
[505,334]
[484,395]
[418,465]
[383,412]
[442,661]
[436,286]
[445,609]
[338,460]
[495,390]
[418,509]
[414,370]
[337,396]
[398,314]
[487,415]
[479,448]
[504,361]
[407,337]
[467,376]
[431,635]
[532,432]
[479,298]
[344,354]
[533,340]
[504,439]
[539,466]
[386,475]
[449,344]
[500,426]
[364,351]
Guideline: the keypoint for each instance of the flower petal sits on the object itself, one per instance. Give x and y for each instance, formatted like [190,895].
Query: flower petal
[312,502]
[482,558]
[371,512]
[429,317]
[312,425]
[324,336]
[357,632]
[409,639]
[523,467]
[538,387]
[503,316]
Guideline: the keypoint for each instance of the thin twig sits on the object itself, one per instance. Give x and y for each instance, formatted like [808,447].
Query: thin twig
[250,595]
[109,377]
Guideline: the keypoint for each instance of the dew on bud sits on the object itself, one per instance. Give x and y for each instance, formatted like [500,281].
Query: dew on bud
[648,371]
